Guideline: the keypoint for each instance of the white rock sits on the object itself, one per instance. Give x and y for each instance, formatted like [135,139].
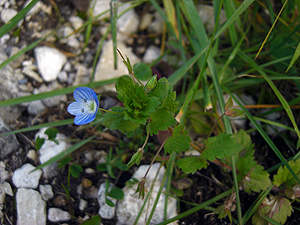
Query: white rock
[206,13]
[62,77]
[100,7]
[157,25]
[83,75]
[127,24]
[7,188]
[32,74]
[49,62]
[105,67]
[32,155]
[82,204]
[151,54]
[8,14]
[46,191]
[34,10]
[52,101]
[145,21]
[8,144]
[50,149]
[4,38]
[36,107]
[2,2]
[31,208]
[76,22]
[129,207]
[105,210]
[2,198]
[73,43]
[58,215]
[25,178]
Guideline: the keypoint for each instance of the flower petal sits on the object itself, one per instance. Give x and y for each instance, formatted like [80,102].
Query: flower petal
[84,118]
[83,94]
[75,108]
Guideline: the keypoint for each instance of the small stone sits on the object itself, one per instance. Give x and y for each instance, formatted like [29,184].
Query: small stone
[4,175]
[8,14]
[151,54]
[32,155]
[86,183]
[36,107]
[32,74]
[4,39]
[76,22]
[89,170]
[127,24]
[62,77]
[2,198]
[82,204]
[58,215]
[31,208]
[25,178]
[105,67]
[106,211]
[145,21]
[157,25]
[49,62]
[46,192]
[7,188]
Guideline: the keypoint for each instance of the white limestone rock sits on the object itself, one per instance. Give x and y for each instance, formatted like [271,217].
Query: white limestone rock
[106,211]
[105,67]
[76,22]
[151,54]
[50,149]
[49,62]
[127,24]
[8,14]
[82,204]
[129,207]
[36,107]
[58,215]
[46,191]
[206,13]
[31,208]
[25,178]
[6,188]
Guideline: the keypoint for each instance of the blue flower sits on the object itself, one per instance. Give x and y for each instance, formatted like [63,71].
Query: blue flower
[85,106]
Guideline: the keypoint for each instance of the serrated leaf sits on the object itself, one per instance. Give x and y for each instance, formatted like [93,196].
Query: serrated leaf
[244,139]
[116,193]
[256,180]
[191,164]
[161,120]
[125,86]
[95,220]
[221,146]
[51,132]
[277,209]
[142,71]
[115,120]
[39,142]
[179,141]
[75,170]
[283,174]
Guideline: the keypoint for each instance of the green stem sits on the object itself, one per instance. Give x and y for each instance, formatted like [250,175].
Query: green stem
[108,111]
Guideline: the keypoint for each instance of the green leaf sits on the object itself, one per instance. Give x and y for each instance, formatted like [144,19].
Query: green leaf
[51,132]
[182,183]
[229,104]
[64,162]
[275,208]
[256,180]
[102,167]
[109,202]
[75,170]
[191,164]
[115,120]
[179,141]
[151,83]
[136,158]
[116,193]
[161,120]
[221,146]
[295,57]
[39,142]
[118,163]
[95,220]
[283,175]
[142,71]
[223,212]
[234,112]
